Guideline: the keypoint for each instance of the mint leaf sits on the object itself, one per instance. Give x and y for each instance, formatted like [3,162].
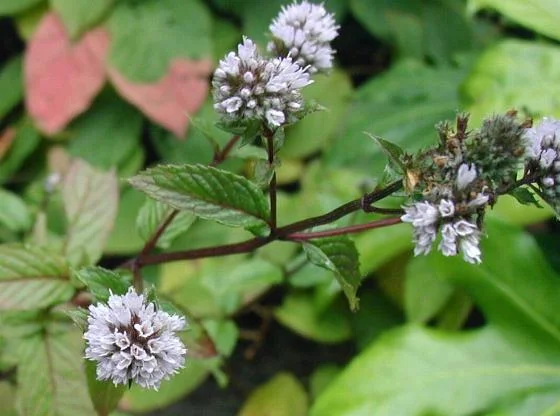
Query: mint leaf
[102,282]
[339,255]
[104,394]
[207,192]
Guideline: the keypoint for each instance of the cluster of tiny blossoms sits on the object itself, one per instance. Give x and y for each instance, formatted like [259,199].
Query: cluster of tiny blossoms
[304,32]
[132,341]
[248,86]
[543,158]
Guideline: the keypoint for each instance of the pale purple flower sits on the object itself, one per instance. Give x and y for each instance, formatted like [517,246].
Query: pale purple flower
[465,175]
[247,86]
[304,31]
[448,243]
[470,248]
[446,208]
[421,214]
[132,341]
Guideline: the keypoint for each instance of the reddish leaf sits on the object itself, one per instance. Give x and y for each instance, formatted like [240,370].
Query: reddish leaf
[6,139]
[62,78]
[171,100]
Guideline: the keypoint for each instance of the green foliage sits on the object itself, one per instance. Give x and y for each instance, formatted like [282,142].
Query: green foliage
[11,85]
[12,7]
[25,142]
[80,15]
[14,214]
[339,255]
[104,394]
[102,282]
[207,192]
[156,28]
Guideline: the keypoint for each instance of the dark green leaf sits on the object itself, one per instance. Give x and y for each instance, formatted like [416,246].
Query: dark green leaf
[25,142]
[158,29]
[12,7]
[80,15]
[153,214]
[91,203]
[124,239]
[104,394]
[50,375]
[14,214]
[32,278]
[208,192]
[11,85]
[102,282]
[107,134]
[393,152]
[525,196]
[339,255]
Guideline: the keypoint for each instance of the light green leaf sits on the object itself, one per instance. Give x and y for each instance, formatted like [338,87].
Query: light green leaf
[283,395]
[153,214]
[91,202]
[25,142]
[124,239]
[107,134]
[80,15]
[158,29]
[401,106]
[299,313]
[14,214]
[514,74]
[223,333]
[539,15]
[32,278]
[11,85]
[50,375]
[339,255]
[12,7]
[208,192]
[513,359]
[102,282]
[104,394]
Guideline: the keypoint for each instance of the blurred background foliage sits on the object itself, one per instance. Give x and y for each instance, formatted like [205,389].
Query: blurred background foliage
[123,84]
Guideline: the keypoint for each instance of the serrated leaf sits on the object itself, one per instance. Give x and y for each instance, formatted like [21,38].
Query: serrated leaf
[32,278]
[50,375]
[393,152]
[102,282]
[80,15]
[90,201]
[525,197]
[14,213]
[339,255]
[153,214]
[104,394]
[157,28]
[207,192]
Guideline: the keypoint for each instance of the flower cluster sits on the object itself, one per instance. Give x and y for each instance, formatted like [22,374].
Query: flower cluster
[304,32]
[543,156]
[452,218]
[132,341]
[248,86]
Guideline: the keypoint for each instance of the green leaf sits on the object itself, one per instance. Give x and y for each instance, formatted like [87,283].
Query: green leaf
[107,134]
[164,30]
[539,15]
[329,326]
[14,214]
[25,142]
[339,255]
[124,239]
[208,192]
[401,106]
[50,375]
[437,29]
[514,74]
[224,335]
[32,278]
[12,7]
[283,395]
[393,152]
[513,359]
[153,214]
[525,197]
[80,15]
[80,317]
[11,85]
[102,282]
[315,131]
[104,394]
[91,202]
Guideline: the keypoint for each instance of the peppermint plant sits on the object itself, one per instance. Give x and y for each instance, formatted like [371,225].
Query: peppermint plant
[135,334]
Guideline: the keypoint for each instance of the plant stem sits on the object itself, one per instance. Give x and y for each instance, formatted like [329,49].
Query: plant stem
[282,233]
[269,135]
[221,155]
[344,230]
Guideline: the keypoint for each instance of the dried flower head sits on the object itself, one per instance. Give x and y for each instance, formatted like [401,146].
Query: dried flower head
[132,341]
[304,31]
[247,86]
